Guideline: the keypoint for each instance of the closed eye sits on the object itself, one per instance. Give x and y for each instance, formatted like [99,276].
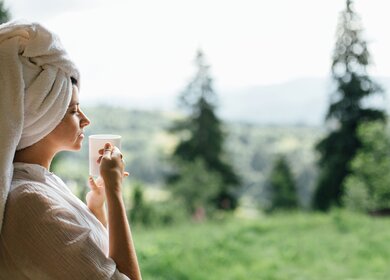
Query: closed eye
[75,109]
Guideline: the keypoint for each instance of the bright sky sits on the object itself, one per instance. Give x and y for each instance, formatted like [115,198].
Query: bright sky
[144,48]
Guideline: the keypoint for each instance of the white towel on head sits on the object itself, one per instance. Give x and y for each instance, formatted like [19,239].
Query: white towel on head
[35,91]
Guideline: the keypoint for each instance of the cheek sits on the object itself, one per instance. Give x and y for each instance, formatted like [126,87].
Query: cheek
[73,124]
[67,128]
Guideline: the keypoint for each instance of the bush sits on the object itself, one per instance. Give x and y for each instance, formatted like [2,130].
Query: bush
[368,186]
[196,187]
[151,214]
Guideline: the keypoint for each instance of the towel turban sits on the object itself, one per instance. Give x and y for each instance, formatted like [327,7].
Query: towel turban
[35,91]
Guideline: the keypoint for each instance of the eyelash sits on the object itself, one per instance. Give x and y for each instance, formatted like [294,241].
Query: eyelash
[75,111]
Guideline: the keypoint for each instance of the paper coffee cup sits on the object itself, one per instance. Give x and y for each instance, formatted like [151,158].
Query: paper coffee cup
[96,142]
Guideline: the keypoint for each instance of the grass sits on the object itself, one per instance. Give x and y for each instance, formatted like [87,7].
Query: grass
[339,245]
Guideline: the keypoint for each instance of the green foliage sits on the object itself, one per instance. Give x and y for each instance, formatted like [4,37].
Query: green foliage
[347,110]
[4,13]
[298,246]
[197,185]
[140,212]
[251,144]
[168,213]
[153,214]
[201,134]
[367,188]
[282,186]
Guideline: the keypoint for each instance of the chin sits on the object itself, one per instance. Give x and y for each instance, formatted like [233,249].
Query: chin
[77,147]
[72,149]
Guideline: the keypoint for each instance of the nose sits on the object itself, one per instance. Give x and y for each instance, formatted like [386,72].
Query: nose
[84,120]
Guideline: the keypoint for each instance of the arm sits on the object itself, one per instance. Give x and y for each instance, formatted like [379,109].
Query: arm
[101,215]
[121,246]
[95,199]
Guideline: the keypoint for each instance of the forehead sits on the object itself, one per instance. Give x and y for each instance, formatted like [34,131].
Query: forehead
[75,96]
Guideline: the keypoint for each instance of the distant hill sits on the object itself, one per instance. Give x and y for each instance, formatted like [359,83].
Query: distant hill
[302,101]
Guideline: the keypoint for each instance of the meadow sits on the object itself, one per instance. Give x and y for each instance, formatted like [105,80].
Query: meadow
[283,246]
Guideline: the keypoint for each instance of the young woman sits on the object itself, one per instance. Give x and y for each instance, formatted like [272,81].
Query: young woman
[46,231]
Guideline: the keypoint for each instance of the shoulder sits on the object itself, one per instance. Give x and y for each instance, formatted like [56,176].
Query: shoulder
[27,208]
[28,193]
[34,208]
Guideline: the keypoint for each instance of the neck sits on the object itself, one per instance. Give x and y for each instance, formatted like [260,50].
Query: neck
[36,154]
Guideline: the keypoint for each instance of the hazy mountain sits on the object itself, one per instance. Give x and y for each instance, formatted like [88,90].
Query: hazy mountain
[301,101]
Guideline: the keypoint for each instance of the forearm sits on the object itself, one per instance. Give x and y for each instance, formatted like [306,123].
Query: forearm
[121,246]
[100,214]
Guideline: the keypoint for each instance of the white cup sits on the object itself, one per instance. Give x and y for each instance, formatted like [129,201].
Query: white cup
[96,142]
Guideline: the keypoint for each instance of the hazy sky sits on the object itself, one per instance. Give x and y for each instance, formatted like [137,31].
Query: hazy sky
[144,48]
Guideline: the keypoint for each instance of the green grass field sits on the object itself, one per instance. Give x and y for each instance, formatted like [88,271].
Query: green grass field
[339,245]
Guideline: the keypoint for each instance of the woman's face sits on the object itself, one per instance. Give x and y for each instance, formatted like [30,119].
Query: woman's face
[69,135]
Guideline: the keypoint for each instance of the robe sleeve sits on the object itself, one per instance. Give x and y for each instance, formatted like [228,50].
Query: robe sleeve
[45,240]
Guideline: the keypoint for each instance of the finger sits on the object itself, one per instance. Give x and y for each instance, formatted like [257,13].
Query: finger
[99,180]
[99,159]
[126,174]
[107,151]
[92,183]
[116,152]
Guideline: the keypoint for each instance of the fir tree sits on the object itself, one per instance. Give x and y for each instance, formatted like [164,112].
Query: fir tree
[347,110]
[282,186]
[201,134]
[4,13]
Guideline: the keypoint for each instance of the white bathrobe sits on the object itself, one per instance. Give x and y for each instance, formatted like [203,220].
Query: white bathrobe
[48,233]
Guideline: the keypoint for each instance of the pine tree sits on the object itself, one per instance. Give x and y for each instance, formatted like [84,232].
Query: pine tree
[4,13]
[347,110]
[281,186]
[201,134]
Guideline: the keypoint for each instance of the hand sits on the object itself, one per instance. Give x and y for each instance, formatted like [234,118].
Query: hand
[111,166]
[97,195]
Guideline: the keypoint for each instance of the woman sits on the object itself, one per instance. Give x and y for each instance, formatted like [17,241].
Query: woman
[47,232]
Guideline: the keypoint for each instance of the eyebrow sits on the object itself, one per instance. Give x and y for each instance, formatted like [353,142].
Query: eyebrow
[74,103]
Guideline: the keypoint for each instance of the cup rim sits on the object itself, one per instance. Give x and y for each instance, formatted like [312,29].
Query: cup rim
[104,136]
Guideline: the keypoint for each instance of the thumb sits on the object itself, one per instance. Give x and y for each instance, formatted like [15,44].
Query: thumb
[92,184]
